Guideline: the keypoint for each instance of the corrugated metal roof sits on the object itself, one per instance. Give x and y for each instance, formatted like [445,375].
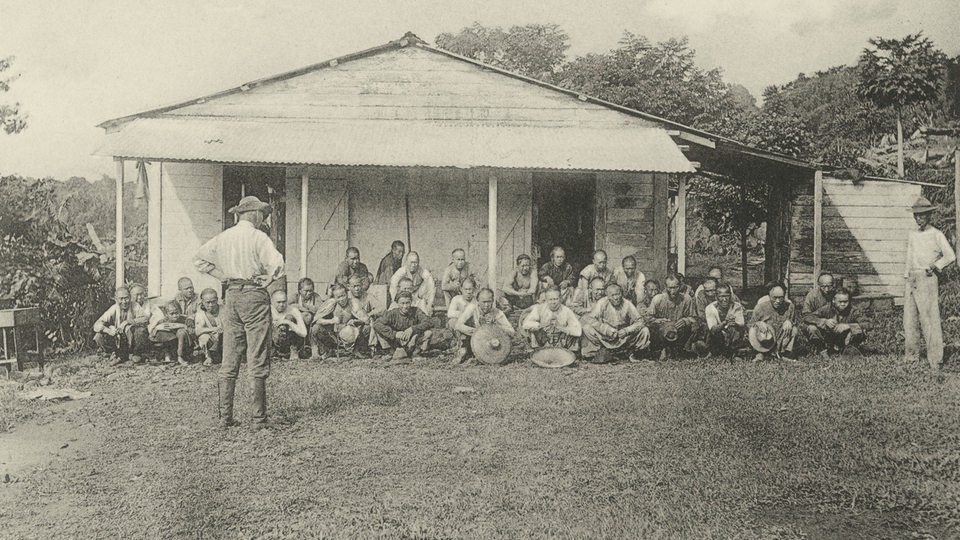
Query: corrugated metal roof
[397,143]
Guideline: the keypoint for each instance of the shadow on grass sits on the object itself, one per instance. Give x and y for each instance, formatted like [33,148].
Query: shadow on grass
[313,398]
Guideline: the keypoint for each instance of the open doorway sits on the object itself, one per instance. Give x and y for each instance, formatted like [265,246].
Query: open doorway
[267,184]
[564,210]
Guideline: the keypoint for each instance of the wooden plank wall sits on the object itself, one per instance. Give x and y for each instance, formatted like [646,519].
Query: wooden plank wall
[448,210]
[327,225]
[865,228]
[192,213]
[632,220]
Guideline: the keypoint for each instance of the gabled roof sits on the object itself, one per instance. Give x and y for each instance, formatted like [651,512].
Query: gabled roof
[394,90]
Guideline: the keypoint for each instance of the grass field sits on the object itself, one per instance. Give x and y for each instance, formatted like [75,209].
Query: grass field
[858,448]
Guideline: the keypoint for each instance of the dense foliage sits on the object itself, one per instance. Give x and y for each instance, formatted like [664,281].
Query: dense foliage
[12,119]
[535,50]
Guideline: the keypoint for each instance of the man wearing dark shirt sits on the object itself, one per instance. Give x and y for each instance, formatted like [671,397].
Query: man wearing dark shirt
[558,271]
[836,326]
[351,266]
[390,263]
[405,328]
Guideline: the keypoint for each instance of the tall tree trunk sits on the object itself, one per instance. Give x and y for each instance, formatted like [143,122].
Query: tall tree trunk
[900,171]
[743,259]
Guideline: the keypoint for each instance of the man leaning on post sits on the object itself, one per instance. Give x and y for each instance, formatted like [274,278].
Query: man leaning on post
[244,258]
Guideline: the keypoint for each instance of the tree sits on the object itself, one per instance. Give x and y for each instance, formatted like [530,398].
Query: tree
[900,73]
[534,50]
[12,120]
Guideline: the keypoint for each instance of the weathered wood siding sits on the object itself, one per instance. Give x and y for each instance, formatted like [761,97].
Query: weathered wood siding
[190,203]
[632,219]
[366,207]
[865,228]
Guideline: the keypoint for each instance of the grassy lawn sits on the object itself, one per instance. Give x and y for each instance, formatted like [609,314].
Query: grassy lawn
[858,448]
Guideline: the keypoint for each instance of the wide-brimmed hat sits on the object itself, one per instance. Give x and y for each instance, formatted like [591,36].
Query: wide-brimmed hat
[490,344]
[762,337]
[669,332]
[553,357]
[251,203]
[923,205]
[348,334]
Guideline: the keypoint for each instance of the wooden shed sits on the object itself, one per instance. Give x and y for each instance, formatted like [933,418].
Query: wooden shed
[852,229]
[406,141]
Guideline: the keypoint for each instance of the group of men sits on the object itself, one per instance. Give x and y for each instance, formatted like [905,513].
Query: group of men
[599,313]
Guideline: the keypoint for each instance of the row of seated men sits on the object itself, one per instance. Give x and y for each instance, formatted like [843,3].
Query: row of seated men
[608,313]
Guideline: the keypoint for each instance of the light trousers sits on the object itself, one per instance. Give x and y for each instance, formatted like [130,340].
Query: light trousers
[921,313]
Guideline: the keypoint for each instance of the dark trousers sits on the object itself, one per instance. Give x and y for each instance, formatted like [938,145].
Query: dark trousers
[246,332]
[726,341]
[130,341]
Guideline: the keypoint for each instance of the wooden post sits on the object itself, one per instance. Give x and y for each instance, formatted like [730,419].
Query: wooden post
[492,233]
[817,224]
[304,206]
[682,225]
[956,194]
[119,244]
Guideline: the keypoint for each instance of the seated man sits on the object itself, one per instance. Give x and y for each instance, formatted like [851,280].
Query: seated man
[552,324]
[114,331]
[816,298]
[557,272]
[706,294]
[144,308]
[406,284]
[775,319]
[598,269]
[188,303]
[391,262]
[287,320]
[725,323]
[167,330]
[629,279]
[363,299]
[673,320]
[616,327]
[404,328]
[716,273]
[586,299]
[333,315]
[836,326]
[209,327]
[457,271]
[423,288]
[307,300]
[520,290]
[351,266]
[460,302]
[651,288]
[483,311]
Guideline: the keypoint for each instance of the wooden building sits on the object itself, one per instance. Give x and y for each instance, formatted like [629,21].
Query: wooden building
[408,142]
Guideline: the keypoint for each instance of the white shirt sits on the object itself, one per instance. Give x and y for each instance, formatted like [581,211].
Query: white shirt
[928,247]
[205,322]
[240,252]
[734,315]
[564,319]
[423,295]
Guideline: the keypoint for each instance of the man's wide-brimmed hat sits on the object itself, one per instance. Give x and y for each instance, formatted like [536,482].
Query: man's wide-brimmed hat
[348,334]
[553,357]
[669,332]
[490,344]
[251,203]
[923,205]
[762,337]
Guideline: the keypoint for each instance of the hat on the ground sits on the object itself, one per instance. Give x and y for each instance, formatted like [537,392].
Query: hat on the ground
[348,334]
[490,344]
[923,205]
[669,331]
[553,357]
[762,337]
[251,203]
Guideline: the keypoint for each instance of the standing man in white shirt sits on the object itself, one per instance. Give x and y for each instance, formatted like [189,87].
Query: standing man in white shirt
[244,258]
[928,253]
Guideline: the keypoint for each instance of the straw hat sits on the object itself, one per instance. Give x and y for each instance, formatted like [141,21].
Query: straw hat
[553,357]
[250,203]
[348,334]
[669,331]
[762,337]
[923,205]
[490,344]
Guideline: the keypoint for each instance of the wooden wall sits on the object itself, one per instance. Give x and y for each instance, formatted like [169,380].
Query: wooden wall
[865,228]
[366,207]
[632,219]
[189,202]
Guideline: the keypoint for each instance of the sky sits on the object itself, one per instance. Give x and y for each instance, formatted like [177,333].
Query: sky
[80,63]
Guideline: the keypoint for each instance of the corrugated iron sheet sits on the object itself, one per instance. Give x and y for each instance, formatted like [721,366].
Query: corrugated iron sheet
[397,143]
